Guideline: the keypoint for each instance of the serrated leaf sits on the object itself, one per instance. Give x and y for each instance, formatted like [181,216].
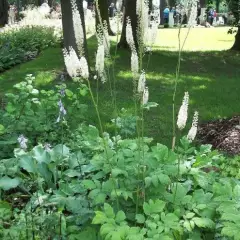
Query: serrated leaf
[155,180]
[140,218]
[2,129]
[120,217]
[203,222]
[7,183]
[153,207]
[109,211]
[190,215]
[89,184]
[72,173]
[100,218]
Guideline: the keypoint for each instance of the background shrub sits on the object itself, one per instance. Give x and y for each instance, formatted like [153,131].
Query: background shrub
[23,44]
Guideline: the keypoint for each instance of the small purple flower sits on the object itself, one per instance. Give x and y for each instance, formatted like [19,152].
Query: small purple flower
[62,92]
[62,111]
[47,147]
[61,108]
[22,142]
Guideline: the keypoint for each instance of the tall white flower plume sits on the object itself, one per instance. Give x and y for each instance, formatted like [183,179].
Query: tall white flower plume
[193,13]
[78,28]
[134,63]
[129,35]
[145,96]
[193,130]
[183,112]
[84,68]
[100,61]
[139,6]
[72,62]
[141,82]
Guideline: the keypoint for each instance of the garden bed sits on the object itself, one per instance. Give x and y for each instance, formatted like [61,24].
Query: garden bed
[222,134]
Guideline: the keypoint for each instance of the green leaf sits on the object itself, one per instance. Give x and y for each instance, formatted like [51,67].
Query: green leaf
[41,155]
[203,222]
[2,129]
[153,207]
[148,181]
[100,198]
[7,183]
[27,163]
[155,180]
[109,211]
[140,218]
[72,173]
[118,172]
[89,184]
[120,217]
[100,218]
[190,215]
[164,179]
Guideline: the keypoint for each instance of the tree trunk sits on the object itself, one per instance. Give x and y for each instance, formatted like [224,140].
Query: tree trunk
[217,5]
[130,11]
[3,12]
[67,23]
[103,8]
[236,45]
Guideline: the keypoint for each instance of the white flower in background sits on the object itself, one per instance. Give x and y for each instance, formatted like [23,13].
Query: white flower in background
[152,34]
[145,96]
[139,6]
[193,130]
[141,82]
[22,142]
[129,35]
[145,19]
[78,28]
[193,13]
[134,63]
[100,60]
[106,39]
[84,68]
[183,112]
[72,62]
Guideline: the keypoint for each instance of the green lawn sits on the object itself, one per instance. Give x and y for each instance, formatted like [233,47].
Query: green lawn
[211,78]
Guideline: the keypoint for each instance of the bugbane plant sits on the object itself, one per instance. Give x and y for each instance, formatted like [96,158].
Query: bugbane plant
[193,130]
[78,28]
[183,112]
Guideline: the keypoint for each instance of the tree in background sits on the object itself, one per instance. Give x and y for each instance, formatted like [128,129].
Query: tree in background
[103,9]
[130,11]
[3,12]
[234,6]
[68,28]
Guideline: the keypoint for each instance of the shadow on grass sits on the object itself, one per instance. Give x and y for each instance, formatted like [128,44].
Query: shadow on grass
[211,78]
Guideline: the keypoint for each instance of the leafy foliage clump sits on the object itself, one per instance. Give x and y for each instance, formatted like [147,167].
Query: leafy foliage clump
[130,190]
[20,45]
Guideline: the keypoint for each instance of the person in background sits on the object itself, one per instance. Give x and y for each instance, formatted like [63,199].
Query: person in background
[214,16]
[210,16]
[173,10]
[166,15]
[111,10]
[198,14]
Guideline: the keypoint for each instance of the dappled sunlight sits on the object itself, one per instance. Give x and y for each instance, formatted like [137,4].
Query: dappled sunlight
[199,39]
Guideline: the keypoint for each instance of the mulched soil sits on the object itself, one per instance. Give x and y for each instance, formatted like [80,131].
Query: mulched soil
[222,134]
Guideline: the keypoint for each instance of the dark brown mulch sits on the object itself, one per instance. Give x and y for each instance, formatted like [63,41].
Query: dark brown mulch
[222,134]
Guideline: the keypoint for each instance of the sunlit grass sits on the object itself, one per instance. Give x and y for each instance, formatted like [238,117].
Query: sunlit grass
[211,78]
